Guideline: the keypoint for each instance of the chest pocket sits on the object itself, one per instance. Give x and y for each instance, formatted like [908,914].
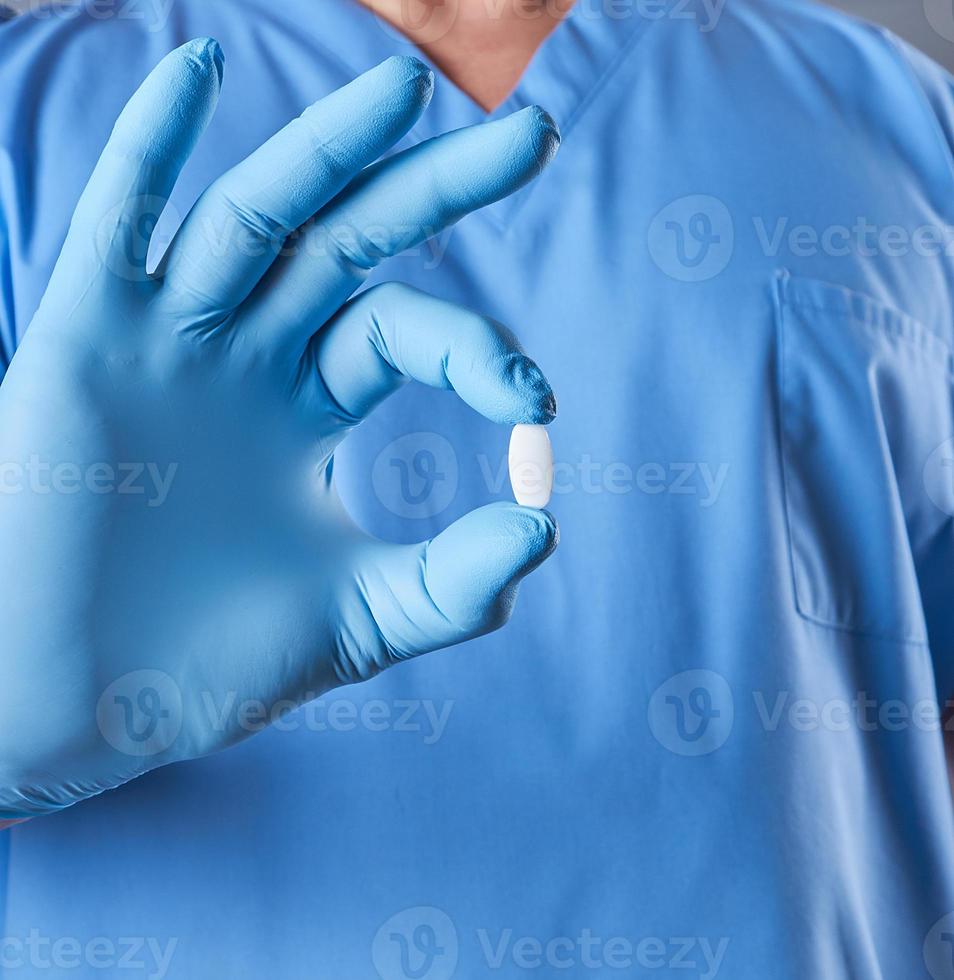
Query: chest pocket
[865,423]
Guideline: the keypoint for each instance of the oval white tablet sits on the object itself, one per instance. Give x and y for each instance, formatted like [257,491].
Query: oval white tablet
[531,465]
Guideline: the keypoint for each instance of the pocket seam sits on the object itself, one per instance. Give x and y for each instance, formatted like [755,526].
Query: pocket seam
[899,324]
[874,316]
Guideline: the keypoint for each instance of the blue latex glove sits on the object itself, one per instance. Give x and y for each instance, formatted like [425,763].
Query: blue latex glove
[234,372]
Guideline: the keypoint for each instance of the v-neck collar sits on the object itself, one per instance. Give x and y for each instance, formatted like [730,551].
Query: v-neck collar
[563,75]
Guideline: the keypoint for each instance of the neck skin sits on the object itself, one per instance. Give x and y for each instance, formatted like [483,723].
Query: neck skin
[483,46]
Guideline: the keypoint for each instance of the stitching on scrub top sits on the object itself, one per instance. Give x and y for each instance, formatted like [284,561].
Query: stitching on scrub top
[505,221]
[883,319]
[919,339]
[525,193]
[785,303]
[5,839]
[639,32]
[781,306]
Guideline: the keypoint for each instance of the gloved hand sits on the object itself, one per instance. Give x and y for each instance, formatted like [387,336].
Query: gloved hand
[131,597]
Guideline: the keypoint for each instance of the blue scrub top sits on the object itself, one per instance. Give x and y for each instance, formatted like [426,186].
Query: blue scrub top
[707,745]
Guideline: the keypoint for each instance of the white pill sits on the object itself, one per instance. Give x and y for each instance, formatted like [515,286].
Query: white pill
[531,465]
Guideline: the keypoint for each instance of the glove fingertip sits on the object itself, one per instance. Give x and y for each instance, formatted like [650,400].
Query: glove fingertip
[542,131]
[409,68]
[541,533]
[206,52]
[536,400]
[203,56]
[172,107]
[407,78]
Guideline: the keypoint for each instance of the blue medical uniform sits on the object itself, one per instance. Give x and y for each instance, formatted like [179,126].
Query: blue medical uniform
[707,745]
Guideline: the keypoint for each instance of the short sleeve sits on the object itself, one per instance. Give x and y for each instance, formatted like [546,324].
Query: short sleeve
[8,332]
[935,83]
[7,315]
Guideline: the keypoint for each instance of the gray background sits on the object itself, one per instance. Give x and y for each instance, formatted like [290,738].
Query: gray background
[927,23]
